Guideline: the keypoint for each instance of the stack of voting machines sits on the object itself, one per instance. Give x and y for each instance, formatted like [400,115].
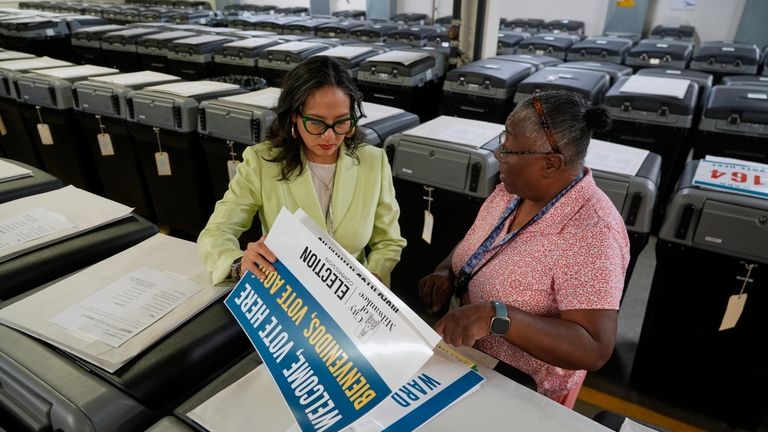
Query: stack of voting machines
[339,350]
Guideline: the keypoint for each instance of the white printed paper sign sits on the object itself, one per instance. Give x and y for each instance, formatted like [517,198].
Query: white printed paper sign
[733,176]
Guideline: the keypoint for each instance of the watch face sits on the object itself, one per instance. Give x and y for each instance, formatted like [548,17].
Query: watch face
[499,325]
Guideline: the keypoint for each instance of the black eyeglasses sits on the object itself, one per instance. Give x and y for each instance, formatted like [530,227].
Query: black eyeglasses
[502,151]
[539,107]
[315,126]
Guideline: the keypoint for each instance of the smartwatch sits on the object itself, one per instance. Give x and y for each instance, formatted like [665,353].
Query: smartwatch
[234,271]
[500,321]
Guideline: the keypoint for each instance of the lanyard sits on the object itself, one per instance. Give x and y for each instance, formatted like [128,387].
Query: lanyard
[470,268]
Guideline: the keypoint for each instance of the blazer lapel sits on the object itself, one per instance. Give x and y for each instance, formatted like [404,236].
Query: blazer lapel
[303,191]
[344,186]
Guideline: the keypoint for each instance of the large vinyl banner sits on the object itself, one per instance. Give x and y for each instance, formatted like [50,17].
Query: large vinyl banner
[336,341]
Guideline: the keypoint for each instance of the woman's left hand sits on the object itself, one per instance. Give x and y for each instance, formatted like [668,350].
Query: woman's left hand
[465,325]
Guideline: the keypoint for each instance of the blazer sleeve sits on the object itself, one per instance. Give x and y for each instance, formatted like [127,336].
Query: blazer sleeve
[218,243]
[386,243]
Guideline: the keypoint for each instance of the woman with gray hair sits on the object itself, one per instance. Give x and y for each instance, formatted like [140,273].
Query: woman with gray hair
[540,273]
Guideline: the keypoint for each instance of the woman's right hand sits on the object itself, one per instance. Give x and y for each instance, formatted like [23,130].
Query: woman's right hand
[258,259]
[435,290]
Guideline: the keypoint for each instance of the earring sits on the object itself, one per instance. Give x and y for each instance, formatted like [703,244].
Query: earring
[351,132]
[293,131]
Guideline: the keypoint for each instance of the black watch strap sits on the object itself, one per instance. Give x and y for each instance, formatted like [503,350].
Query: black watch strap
[234,271]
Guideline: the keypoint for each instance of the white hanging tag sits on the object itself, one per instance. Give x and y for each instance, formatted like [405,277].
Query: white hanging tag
[163,163]
[105,144]
[429,221]
[45,134]
[232,168]
[733,311]
[3,130]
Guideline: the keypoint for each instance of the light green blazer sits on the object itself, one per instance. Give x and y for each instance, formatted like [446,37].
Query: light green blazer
[363,209]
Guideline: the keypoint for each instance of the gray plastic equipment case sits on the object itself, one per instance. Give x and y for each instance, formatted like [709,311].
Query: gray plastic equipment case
[52,88]
[726,58]
[704,80]
[718,240]
[119,48]
[14,55]
[153,49]
[735,123]
[548,44]
[164,118]
[483,89]
[276,61]
[591,85]
[242,118]
[416,36]
[508,41]
[373,32]
[107,96]
[192,58]
[537,61]
[466,169]
[339,29]
[241,57]
[350,57]
[376,129]
[614,71]
[170,107]
[307,26]
[750,80]
[86,43]
[597,48]
[660,53]
[276,23]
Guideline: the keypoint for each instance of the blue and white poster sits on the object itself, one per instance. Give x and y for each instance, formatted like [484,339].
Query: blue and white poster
[335,340]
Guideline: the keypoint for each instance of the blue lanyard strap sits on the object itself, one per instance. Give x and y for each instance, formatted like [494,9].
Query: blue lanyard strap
[470,268]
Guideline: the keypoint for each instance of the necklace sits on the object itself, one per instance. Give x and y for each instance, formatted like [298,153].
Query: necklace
[329,174]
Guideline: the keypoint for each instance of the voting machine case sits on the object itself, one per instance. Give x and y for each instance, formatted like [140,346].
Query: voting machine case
[509,40]
[614,71]
[39,182]
[602,49]
[635,198]
[241,57]
[17,142]
[341,29]
[153,49]
[548,44]
[528,25]
[119,48]
[591,85]
[410,79]
[306,26]
[276,61]
[483,89]
[21,274]
[228,126]
[660,53]
[166,121]
[46,98]
[275,23]
[377,131]
[416,36]
[735,123]
[86,43]
[660,124]
[43,36]
[564,26]
[461,177]
[704,80]
[726,58]
[192,58]
[749,80]
[373,32]
[53,390]
[349,14]
[350,57]
[537,61]
[101,108]
[709,241]
[683,33]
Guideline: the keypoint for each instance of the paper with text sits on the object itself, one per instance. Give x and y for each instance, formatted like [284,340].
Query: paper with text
[118,311]
[30,225]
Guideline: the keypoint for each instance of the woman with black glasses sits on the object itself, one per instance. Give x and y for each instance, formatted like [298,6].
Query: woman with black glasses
[313,160]
[539,275]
